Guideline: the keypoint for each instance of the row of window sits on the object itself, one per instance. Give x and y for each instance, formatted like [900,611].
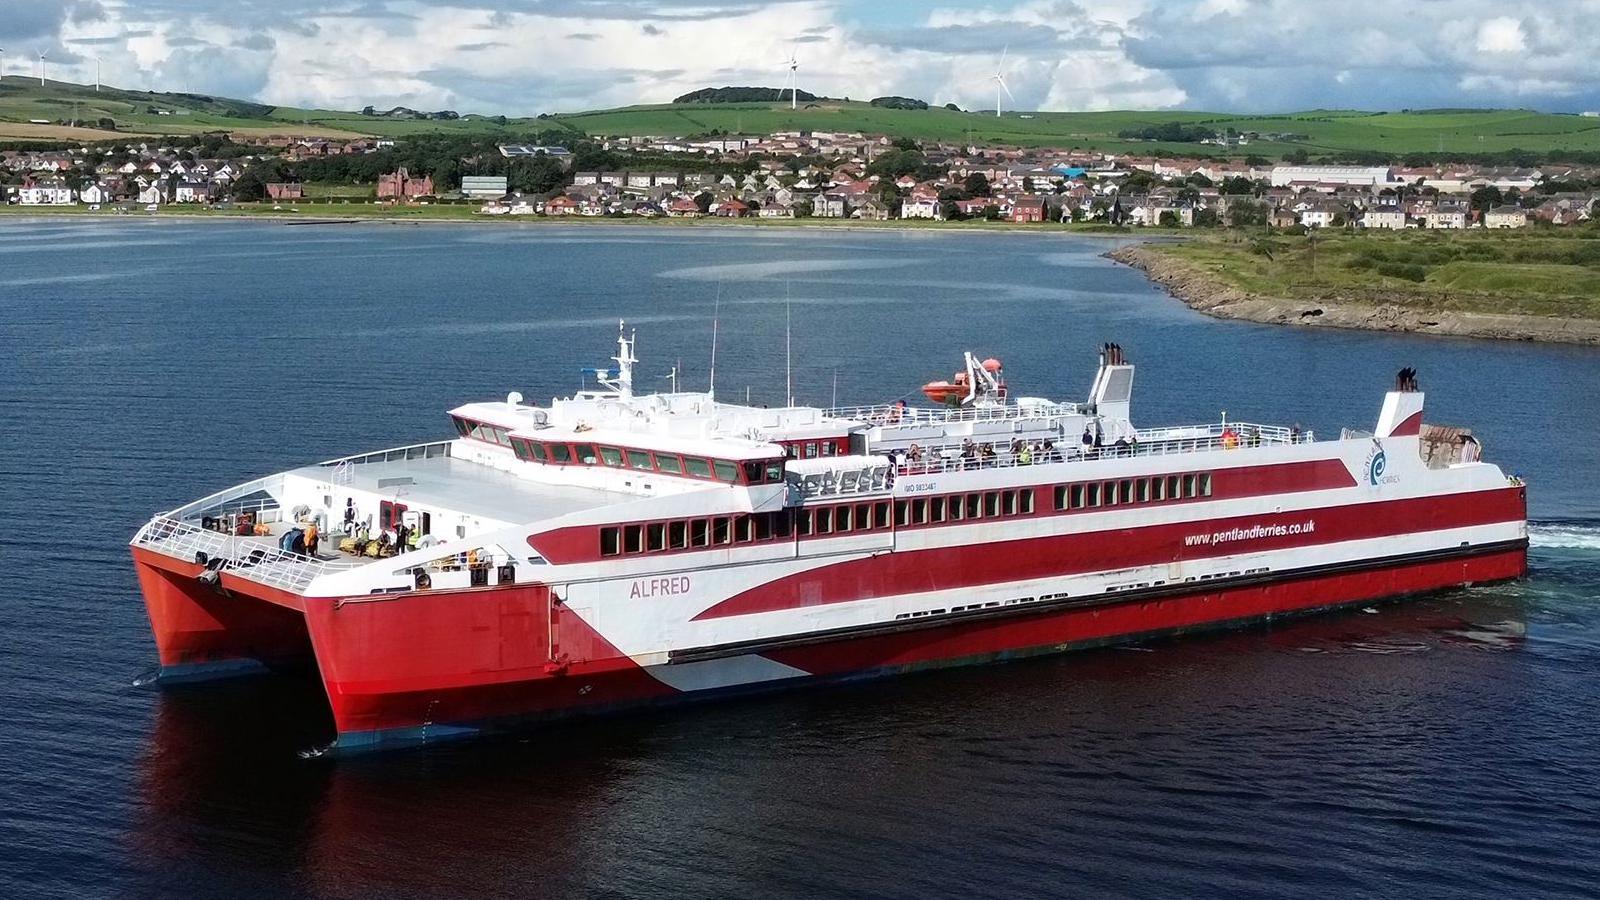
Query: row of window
[566,453]
[688,534]
[715,531]
[816,448]
[1126,491]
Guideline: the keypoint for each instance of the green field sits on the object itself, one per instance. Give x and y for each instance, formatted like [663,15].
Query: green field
[1316,132]
[1536,272]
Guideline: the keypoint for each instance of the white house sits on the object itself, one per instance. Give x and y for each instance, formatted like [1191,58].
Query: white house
[1505,217]
[1390,217]
[920,206]
[95,193]
[1444,218]
[154,192]
[45,193]
[191,192]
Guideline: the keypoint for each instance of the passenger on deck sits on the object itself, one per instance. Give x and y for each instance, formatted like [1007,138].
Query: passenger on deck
[349,515]
[311,539]
[1025,456]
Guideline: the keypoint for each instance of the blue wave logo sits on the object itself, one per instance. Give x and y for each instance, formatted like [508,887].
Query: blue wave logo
[1375,466]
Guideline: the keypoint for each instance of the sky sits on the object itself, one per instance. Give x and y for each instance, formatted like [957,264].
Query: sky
[523,57]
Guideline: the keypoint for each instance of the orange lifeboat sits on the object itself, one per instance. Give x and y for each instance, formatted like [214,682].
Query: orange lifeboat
[945,391]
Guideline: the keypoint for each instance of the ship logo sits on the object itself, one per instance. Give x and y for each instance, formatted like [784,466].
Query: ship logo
[1377,462]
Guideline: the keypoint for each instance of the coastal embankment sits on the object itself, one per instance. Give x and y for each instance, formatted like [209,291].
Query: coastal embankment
[1212,292]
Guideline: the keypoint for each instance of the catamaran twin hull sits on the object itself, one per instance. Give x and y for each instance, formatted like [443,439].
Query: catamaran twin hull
[612,551]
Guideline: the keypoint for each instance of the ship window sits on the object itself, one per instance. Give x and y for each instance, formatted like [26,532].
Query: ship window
[1092,494]
[677,535]
[1188,486]
[697,467]
[780,523]
[610,540]
[880,514]
[958,507]
[763,527]
[1027,502]
[828,448]
[810,449]
[462,428]
[1108,493]
[559,453]
[1172,488]
[1143,487]
[633,538]
[1075,500]
[793,450]
[726,471]
[639,459]
[919,511]
[843,519]
[520,448]
[585,453]
[1063,494]
[824,520]
[1205,485]
[745,529]
[774,473]
[699,533]
[1125,491]
[536,451]
[611,456]
[669,463]
[902,512]
[1158,489]
[936,509]
[721,530]
[752,471]
[863,518]
[1009,498]
[656,535]
[803,520]
[991,503]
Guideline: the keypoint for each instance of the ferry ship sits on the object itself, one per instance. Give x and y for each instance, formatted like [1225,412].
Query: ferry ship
[617,549]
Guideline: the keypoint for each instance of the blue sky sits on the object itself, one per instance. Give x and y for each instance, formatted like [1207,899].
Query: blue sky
[531,56]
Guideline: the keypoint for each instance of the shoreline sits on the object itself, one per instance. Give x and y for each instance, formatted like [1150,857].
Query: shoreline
[1207,294]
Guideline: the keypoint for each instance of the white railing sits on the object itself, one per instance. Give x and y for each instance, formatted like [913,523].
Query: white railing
[255,560]
[229,500]
[1150,442]
[889,414]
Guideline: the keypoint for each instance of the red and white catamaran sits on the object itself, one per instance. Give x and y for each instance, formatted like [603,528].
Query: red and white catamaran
[615,549]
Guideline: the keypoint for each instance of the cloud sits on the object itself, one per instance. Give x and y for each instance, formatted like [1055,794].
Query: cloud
[530,56]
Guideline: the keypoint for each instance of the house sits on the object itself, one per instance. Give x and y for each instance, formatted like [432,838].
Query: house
[154,192]
[830,206]
[95,193]
[776,211]
[191,191]
[285,191]
[871,209]
[561,205]
[976,206]
[581,178]
[1321,214]
[1028,209]
[731,209]
[399,185]
[1505,217]
[684,208]
[1446,217]
[921,205]
[45,193]
[1392,218]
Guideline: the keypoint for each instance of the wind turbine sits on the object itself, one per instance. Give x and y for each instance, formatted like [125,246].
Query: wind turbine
[999,77]
[2,63]
[793,80]
[42,55]
[97,74]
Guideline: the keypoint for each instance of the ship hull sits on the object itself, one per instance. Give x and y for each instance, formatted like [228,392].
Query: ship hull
[425,669]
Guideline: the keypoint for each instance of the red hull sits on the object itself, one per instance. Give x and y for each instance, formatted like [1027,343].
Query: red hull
[456,663]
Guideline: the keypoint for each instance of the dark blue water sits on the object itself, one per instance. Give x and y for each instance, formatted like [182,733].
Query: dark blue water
[1443,747]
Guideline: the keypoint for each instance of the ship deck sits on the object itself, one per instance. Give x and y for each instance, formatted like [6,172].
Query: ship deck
[494,497]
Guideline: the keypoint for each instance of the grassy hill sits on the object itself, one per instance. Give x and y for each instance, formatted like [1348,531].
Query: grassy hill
[1317,131]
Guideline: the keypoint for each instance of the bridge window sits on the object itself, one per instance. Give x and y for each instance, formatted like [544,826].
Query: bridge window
[585,453]
[774,471]
[726,471]
[669,463]
[697,466]
[463,427]
[560,454]
[640,459]
[611,456]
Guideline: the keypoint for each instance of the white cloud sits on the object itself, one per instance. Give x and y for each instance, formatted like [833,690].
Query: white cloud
[530,56]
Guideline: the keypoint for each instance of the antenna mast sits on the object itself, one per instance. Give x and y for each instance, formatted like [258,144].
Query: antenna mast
[788,356]
[716,313]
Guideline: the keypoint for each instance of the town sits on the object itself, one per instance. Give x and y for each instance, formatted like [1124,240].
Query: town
[810,174]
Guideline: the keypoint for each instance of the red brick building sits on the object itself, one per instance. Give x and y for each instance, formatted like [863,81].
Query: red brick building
[400,185]
[1027,209]
[285,191]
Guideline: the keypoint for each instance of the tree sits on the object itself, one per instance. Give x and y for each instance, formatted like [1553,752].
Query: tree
[250,186]
[1486,198]
[952,107]
[976,185]
[1171,219]
[703,201]
[896,163]
[1253,160]
[1297,157]
[1238,185]
[1027,184]
[1206,218]
[1247,213]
